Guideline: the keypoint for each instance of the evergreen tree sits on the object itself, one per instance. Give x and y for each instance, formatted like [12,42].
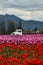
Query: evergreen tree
[35,29]
[20,25]
[11,26]
[2,27]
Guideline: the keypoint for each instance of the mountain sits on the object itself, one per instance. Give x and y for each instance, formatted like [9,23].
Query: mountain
[31,24]
[8,18]
[26,24]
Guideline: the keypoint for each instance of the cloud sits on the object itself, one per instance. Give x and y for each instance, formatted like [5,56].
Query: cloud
[22,4]
[25,9]
[20,13]
[26,15]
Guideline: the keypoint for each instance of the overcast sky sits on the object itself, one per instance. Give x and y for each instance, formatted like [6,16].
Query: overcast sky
[25,9]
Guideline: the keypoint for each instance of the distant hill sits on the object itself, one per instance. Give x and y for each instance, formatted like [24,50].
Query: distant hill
[26,24]
[31,24]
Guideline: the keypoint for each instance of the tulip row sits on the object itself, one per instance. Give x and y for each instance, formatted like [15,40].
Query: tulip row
[21,54]
[19,39]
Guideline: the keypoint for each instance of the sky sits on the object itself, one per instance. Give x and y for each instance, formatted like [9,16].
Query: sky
[25,9]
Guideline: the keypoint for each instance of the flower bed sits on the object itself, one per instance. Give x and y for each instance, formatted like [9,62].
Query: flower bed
[21,54]
[19,39]
[21,49]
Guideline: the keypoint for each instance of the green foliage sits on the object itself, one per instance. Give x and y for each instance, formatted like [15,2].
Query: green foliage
[35,29]
[11,27]
[20,25]
[2,27]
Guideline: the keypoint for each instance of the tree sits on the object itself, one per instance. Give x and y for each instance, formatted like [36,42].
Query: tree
[35,29]
[11,26]
[20,25]
[2,27]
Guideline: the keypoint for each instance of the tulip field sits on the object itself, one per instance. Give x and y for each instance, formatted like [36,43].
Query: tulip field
[21,49]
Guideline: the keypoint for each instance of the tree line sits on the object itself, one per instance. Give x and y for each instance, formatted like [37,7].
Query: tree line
[10,27]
